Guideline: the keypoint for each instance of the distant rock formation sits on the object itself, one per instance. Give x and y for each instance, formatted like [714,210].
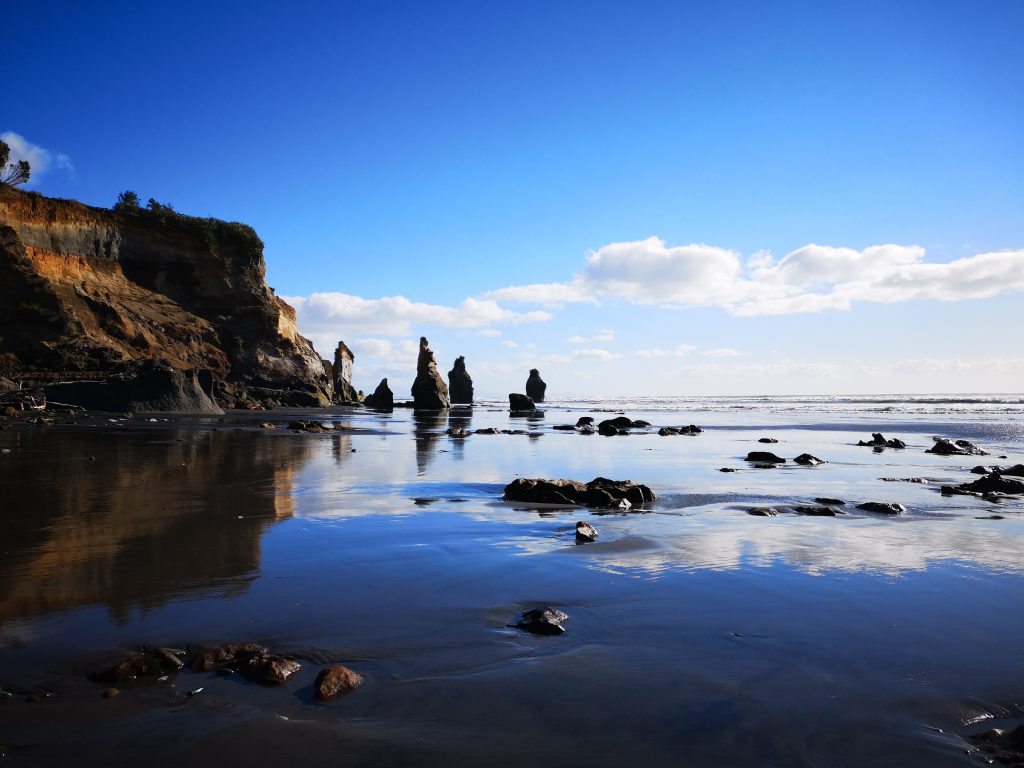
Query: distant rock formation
[86,293]
[341,372]
[382,398]
[460,385]
[429,392]
[535,386]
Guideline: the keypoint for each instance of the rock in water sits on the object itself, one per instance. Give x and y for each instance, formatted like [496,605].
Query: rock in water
[518,403]
[336,681]
[585,532]
[1005,746]
[382,399]
[460,385]
[883,509]
[944,447]
[535,386]
[764,457]
[599,492]
[805,459]
[250,660]
[153,662]
[429,392]
[540,621]
[763,511]
[341,372]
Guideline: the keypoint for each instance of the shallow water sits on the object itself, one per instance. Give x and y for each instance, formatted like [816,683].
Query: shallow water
[698,634]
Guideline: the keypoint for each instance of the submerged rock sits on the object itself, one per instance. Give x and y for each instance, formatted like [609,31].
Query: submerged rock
[252,661]
[763,511]
[881,508]
[878,441]
[1006,746]
[429,392]
[382,398]
[822,511]
[806,460]
[989,484]
[599,492]
[767,440]
[540,621]
[829,502]
[944,447]
[151,662]
[535,386]
[585,532]
[764,457]
[336,681]
[460,384]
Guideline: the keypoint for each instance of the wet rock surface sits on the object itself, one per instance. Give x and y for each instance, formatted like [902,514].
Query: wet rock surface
[816,511]
[807,460]
[540,621]
[829,502]
[767,440]
[882,508]
[336,681]
[765,457]
[585,532]
[878,441]
[150,663]
[1006,746]
[519,403]
[988,484]
[254,662]
[763,511]
[944,447]
[599,492]
[691,430]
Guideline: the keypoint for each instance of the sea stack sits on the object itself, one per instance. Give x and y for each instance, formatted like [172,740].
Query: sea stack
[342,374]
[429,392]
[382,398]
[460,385]
[535,386]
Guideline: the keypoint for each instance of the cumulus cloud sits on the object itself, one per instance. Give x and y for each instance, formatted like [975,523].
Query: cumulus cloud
[342,315]
[813,278]
[603,336]
[721,352]
[41,160]
[681,350]
[595,354]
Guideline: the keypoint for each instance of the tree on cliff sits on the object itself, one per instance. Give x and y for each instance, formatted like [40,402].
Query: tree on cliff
[15,173]
[127,201]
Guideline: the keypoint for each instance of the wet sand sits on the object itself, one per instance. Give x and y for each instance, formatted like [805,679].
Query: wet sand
[697,633]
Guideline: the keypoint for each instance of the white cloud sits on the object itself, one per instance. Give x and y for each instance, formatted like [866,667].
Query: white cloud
[722,352]
[603,336]
[813,278]
[509,344]
[489,332]
[41,160]
[341,315]
[595,354]
[682,350]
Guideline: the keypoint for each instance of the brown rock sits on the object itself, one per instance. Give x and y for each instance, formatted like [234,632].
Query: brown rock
[429,392]
[336,681]
[341,371]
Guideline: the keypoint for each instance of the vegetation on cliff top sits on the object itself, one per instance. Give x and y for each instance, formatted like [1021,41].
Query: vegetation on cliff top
[14,173]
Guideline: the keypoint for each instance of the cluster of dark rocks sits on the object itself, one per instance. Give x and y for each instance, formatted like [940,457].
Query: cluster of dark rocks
[767,460]
[252,661]
[599,492]
[944,447]
[879,442]
[827,507]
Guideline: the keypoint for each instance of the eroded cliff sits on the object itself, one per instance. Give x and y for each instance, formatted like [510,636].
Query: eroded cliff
[86,292]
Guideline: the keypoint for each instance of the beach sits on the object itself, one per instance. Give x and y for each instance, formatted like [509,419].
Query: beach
[698,633]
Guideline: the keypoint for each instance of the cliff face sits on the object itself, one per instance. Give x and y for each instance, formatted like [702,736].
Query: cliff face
[90,291]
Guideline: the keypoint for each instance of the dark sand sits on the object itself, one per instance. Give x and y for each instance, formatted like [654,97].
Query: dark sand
[699,635]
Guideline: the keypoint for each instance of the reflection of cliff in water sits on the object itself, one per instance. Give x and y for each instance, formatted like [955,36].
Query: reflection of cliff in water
[155,515]
[426,429]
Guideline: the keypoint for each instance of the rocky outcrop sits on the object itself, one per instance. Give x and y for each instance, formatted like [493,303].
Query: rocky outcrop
[88,292]
[149,389]
[519,403]
[429,392]
[878,441]
[341,373]
[460,385]
[535,386]
[382,398]
[944,447]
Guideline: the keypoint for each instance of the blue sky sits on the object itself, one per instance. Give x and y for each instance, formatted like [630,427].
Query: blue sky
[410,166]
